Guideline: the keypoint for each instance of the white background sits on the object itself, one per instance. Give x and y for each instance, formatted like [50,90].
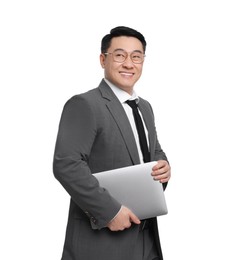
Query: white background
[49,51]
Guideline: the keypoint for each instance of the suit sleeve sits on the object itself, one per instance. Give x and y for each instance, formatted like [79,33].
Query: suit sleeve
[159,154]
[75,139]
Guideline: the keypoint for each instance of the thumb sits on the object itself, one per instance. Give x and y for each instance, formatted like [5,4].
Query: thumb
[134,218]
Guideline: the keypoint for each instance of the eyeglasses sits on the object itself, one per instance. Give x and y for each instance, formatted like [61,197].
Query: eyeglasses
[121,55]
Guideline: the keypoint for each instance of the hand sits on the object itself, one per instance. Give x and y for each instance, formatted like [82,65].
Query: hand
[161,171]
[123,220]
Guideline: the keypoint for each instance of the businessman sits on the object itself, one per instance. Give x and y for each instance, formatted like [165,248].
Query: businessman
[106,128]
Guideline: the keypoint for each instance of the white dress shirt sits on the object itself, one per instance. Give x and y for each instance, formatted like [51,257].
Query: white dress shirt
[123,96]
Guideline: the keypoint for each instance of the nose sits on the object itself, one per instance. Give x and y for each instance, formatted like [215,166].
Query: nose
[128,62]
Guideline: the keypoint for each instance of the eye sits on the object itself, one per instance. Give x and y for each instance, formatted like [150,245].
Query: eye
[120,54]
[136,55]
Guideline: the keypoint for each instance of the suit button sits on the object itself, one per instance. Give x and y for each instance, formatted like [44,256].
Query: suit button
[93,220]
[87,213]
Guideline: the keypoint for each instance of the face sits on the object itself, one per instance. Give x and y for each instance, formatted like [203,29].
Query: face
[123,75]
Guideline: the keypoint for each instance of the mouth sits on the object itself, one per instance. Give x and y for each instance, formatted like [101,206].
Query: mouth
[126,74]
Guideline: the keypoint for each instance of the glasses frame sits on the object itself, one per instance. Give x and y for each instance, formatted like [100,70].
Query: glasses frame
[127,54]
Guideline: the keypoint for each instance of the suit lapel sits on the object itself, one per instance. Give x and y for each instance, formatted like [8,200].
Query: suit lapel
[120,117]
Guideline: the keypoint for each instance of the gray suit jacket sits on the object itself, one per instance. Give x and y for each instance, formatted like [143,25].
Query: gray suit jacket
[95,135]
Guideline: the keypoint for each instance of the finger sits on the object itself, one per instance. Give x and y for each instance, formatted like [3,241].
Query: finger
[165,178]
[160,164]
[165,175]
[134,218]
[159,172]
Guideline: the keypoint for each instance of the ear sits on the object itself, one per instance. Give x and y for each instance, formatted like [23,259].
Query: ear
[102,60]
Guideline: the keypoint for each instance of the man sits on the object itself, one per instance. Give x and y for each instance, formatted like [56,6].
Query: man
[97,132]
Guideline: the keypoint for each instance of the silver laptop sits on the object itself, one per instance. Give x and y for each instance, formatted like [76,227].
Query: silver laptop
[135,188]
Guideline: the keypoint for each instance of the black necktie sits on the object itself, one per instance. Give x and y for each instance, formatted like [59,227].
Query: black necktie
[140,129]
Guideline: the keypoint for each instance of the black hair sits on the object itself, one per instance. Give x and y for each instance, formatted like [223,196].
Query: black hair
[121,31]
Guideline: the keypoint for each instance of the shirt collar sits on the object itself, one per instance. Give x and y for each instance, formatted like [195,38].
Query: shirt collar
[122,95]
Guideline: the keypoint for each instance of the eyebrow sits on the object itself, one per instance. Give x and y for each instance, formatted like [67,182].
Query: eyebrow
[120,49]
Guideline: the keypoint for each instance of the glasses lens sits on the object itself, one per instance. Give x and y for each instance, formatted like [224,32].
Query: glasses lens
[119,55]
[137,57]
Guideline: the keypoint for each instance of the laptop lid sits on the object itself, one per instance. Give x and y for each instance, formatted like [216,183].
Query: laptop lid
[135,188]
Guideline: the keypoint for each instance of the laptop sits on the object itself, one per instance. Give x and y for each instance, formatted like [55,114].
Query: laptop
[135,188]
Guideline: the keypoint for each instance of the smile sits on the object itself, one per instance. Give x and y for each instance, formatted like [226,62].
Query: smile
[126,73]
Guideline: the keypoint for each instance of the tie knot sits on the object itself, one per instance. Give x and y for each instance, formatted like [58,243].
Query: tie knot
[132,104]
